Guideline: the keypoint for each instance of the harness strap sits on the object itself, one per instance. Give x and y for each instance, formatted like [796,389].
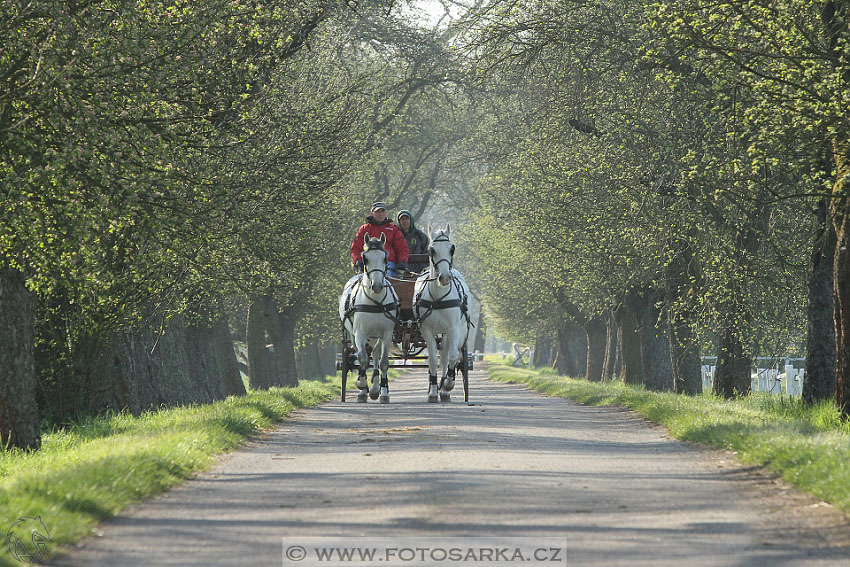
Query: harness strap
[430,306]
[374,307]
[440,304]
[366,308]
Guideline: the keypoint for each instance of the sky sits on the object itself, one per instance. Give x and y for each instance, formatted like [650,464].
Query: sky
[428,11]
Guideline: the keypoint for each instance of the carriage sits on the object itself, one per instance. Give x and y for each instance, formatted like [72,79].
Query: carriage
[409,349]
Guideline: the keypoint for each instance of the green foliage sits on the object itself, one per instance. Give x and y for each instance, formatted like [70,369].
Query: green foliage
[616,160]
[160,158]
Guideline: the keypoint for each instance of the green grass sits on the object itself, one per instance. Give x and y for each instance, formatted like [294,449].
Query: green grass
[88,472]
[808,446]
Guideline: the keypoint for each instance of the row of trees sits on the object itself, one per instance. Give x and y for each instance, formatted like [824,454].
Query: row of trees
[669,177]
[174,172]
[638,184]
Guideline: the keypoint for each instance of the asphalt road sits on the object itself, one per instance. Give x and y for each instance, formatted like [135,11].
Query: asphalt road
[511,465]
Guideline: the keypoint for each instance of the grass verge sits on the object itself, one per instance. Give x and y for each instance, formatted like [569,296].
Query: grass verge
[808,446]
[88,472]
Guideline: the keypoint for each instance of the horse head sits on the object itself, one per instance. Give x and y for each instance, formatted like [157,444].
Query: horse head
[442,251]
[375,262]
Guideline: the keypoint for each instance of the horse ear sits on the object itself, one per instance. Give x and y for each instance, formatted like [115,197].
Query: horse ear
[383,238]
[448,230]
[366,239]
[429,231]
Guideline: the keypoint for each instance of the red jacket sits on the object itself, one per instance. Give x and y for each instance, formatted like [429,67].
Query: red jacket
[396,245]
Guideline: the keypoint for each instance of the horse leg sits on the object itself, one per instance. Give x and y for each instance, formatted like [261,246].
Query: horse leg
[360,340]
[447,380]
[452,356]
[377,351]
[384,397]
[444,359]
[431,342]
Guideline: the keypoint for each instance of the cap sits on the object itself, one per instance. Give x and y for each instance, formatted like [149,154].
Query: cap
[378,205]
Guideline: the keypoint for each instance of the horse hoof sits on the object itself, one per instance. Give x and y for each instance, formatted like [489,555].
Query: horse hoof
[433,393]
[375,390]
[362,383]
[361,397]
[449,385]
[384,400]
[445,397]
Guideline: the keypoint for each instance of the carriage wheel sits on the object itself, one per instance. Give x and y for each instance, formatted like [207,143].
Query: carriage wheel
[464,359]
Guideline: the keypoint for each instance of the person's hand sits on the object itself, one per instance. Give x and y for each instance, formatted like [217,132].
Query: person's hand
[401,267]
[358,266]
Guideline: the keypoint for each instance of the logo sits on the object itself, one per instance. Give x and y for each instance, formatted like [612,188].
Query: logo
[27,539]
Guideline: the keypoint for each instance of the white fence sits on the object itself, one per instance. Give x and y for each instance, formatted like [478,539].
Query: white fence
[777,376]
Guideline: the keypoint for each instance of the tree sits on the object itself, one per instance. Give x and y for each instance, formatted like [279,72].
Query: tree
[793,58]
[645,175]
[19,417]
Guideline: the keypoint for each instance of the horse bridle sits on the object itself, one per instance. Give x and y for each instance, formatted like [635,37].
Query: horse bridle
[450,260]
[367,272]
[440,302]
[378,306]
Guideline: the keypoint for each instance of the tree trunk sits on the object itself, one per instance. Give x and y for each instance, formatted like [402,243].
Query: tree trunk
[571,349]
[170,353]
[597,343]
[259,363]
[834,16]
[684,359]
[285,348]
[630,351]
[734,361]
[679,281]
[841,286]
[732,377]
[654,344]
[232,383]
[327,359]
[611,347]
[19,418]
[655,351]
[819,381]
[542,348]
[213,365]
[308,361]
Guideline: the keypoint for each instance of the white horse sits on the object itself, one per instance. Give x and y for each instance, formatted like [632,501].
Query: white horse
[370,312]
[440,304]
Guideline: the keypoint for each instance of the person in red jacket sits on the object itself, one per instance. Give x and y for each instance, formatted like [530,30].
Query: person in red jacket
[376,224]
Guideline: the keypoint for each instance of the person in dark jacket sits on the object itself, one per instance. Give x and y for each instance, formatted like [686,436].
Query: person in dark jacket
[417,241]
[376,224]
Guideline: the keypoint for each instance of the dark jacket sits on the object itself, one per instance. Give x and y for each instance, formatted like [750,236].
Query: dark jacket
[417,241]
